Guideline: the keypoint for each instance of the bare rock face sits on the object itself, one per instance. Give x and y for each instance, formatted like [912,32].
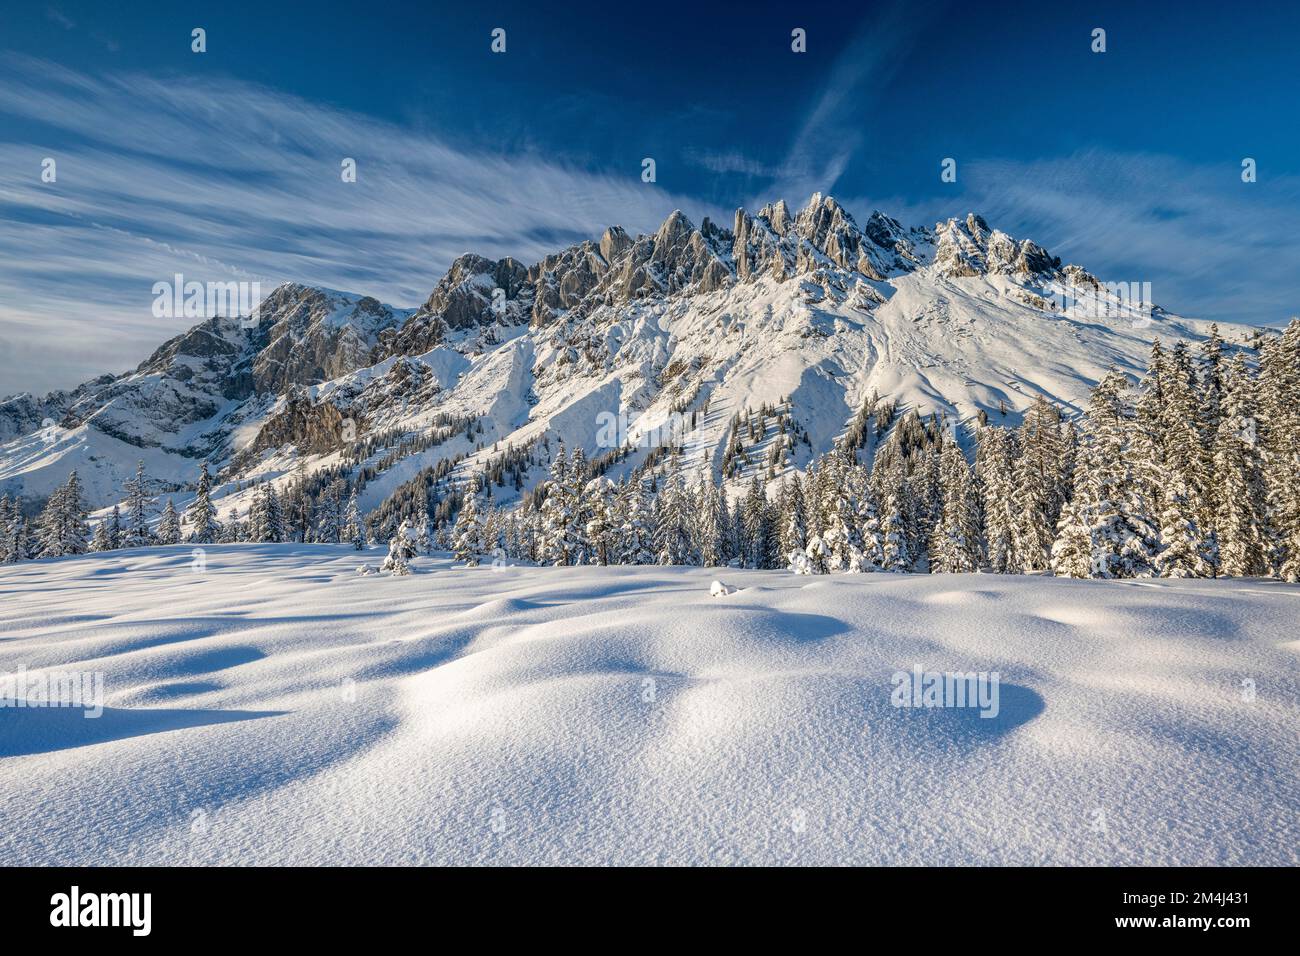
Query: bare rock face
[23,414]
[311,427]
[300,336]
[676,258]
[185,381]
[464,299]
[758,249]
[561,281]
[1080,278]
[775,243]
[961,248]
[614,243]
[971,248]
[314,335]
[1033,259]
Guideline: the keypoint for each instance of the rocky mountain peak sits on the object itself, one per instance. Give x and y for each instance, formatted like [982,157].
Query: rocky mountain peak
[971,248]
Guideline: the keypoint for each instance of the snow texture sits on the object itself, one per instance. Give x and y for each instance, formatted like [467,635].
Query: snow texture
[277,707]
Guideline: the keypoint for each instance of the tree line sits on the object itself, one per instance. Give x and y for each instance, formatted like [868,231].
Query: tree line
[1193,471]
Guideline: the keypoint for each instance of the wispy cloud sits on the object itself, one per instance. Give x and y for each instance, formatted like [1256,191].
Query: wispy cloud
[825,140]
[838,122]
[219,179]
[55,15]
[1211,245]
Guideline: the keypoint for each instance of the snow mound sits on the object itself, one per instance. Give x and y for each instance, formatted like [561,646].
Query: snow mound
[279,708]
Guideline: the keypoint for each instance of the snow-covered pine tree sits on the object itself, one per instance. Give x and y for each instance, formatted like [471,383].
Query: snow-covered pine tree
[924,497]
[354,526]
[839,518]
[201,515]
[1122,537]
[493,527]
[1279,420]
[1240,513]
[1186,550]
[401,549]
[601,530]
[233,530]
[891,484]
[265,517]
[1211,378]
[869,531]
[793,525]
[1072,550]
[757,527]
[61,528]
[169,525]
[636,538]
[331,516]
[710,520]
[954,547]
[13,537]
[1036,497]
[102,539]
[136,533]
[10,550]
[467,535]
[672,519]
[816,552]
[993,464]
[576,533]
[561,537]
[1151,419]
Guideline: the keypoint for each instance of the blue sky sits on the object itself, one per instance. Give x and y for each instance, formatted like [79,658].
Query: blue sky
[226,164]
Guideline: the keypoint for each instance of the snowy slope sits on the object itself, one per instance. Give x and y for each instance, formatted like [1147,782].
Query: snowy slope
[276,707]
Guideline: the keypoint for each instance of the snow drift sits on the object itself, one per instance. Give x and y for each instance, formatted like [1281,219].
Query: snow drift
[265,704]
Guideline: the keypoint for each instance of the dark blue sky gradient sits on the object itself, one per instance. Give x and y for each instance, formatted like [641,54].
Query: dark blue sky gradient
[1128,162]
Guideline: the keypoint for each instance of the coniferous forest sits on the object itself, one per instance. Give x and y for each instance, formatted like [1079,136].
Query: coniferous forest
[1192,472]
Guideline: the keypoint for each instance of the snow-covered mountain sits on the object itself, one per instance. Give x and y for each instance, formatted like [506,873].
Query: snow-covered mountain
[803,313]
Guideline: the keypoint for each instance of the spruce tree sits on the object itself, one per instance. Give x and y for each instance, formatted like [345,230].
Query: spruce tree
[998,508]
[401,549]
[955,547]
[61,528]
[136,533]
[1186,550]
[1036,497]
[637,533]
[602,528]
[169,525]
[467,536]
[1240,512]
[201,515]
[1108,497]
[793,537]
[354,527]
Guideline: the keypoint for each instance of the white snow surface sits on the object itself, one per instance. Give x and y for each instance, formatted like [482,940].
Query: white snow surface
[277,707]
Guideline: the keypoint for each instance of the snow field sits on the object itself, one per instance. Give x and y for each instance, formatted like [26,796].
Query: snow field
[276,707]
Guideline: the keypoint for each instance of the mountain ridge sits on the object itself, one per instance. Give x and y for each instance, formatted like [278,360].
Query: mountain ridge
[804,306]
